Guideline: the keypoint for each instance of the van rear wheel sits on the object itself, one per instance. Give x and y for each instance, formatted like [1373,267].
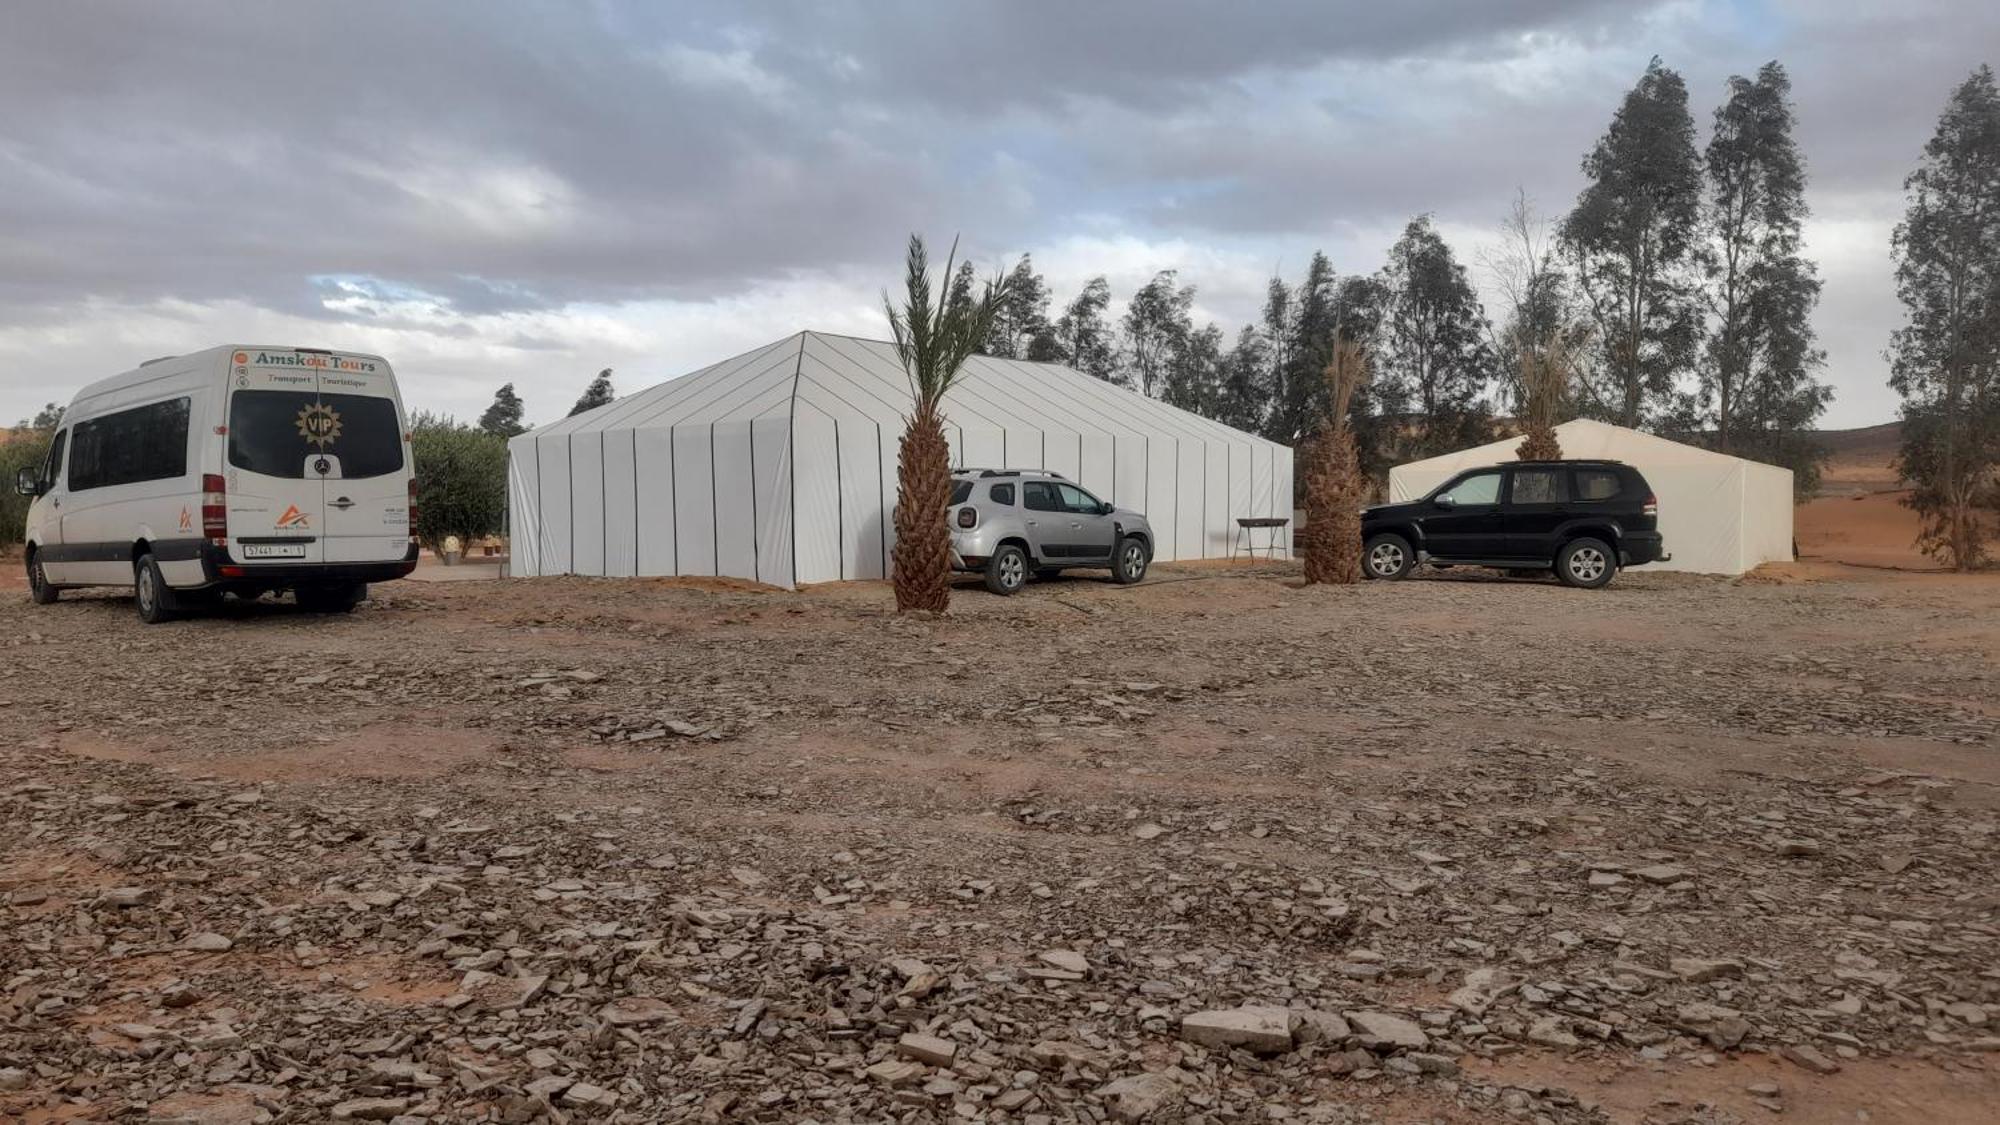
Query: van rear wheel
[39,590]
[154,598]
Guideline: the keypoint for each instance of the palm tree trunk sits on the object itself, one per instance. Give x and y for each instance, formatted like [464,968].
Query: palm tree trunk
[923,489]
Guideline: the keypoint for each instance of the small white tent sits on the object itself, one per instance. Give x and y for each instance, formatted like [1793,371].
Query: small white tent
[780,465]
[1718,514]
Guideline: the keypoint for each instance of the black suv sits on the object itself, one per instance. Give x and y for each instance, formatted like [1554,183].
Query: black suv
[1582,519]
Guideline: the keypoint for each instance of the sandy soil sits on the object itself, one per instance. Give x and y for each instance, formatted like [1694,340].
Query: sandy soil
[1219,787]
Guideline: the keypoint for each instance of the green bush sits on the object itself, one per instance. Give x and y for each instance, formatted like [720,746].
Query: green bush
[461,480]
[19,450]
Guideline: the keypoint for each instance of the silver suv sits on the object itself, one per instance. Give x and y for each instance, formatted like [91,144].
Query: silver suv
[1008,522]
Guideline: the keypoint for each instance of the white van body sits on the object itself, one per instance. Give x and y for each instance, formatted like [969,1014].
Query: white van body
[238,468]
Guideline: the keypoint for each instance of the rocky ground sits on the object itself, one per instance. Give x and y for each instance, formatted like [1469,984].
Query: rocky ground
[1215,848]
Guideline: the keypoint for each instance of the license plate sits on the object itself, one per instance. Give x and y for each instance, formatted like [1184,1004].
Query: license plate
[272,550]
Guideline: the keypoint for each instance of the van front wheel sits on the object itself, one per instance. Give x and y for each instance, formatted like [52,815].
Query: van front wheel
[39,590]
[150,591]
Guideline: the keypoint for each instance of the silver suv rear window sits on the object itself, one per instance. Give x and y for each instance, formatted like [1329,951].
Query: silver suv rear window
[961,491]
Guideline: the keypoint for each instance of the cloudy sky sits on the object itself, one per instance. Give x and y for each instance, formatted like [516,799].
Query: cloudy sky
[490,192]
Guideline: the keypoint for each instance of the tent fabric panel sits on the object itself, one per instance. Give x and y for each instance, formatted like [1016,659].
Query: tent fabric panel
[736,512]
[1128,473]
[557,511]
[981,447]
[621,516]
[586,490]
[1283,485]
[771,459]
[1191,501]
[817,504]
[653,472]
[1768,509]
[694,500]
[859,466]
[676,399]
[1216,523]
[1161,465]
[1242,485]
[524,509]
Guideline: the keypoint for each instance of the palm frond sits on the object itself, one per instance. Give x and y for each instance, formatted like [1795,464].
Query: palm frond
[935,329]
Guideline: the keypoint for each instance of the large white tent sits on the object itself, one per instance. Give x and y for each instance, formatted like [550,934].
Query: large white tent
[1718,514]
[780,465]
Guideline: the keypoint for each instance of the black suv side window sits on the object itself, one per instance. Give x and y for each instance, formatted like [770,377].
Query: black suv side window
[1040,496]
[1539,486]
[1479,488]
[1596,484]
[1001,494]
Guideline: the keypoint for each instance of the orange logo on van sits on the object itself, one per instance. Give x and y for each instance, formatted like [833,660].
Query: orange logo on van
[294,518]
[239,357]
[187,520]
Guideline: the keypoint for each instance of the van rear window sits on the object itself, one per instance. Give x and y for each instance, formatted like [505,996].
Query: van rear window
[275,433]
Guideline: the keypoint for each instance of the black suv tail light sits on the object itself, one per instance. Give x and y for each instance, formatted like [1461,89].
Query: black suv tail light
[1651,507]
[967,517]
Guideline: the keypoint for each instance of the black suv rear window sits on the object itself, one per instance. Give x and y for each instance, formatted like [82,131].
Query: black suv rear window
[961,491]
[273,433]
[1540,486]
[1597,484]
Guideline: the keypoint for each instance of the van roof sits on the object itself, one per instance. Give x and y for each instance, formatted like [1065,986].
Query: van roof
[148,370]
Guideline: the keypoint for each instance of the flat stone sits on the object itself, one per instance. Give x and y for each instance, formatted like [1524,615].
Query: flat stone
[1068,960]
[368,1109]
[1550,1032]
[1663,874]
[1381,1032]
[635,1011]
[895,1072]
[1261,1030]
[1315,1026]
[13,1078]
[1481,988]
[1138,1096]
[927,1049]
[207,943]
[1061,1052]
[1696,970]
[583,1093]
[1809,1058]
[1149,831]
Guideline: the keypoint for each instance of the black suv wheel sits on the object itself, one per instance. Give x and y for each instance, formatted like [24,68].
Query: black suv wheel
[1387,556]
[1586,563]
[1007,570]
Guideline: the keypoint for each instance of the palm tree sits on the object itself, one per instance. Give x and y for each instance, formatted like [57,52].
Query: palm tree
[1335,487]
[935,332]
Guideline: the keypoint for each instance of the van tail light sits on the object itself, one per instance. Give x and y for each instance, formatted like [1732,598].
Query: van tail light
[413,509]
[1651,507]
[967,517]
[214,509]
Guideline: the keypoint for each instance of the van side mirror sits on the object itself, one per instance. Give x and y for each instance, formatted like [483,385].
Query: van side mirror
[28,483]
[1445,501]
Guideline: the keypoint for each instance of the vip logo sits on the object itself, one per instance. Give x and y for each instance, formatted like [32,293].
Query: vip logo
[319,424]
[293,518]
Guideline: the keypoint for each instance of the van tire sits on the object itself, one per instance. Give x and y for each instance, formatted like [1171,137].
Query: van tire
[39,590]
[150,592]
[338,598]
